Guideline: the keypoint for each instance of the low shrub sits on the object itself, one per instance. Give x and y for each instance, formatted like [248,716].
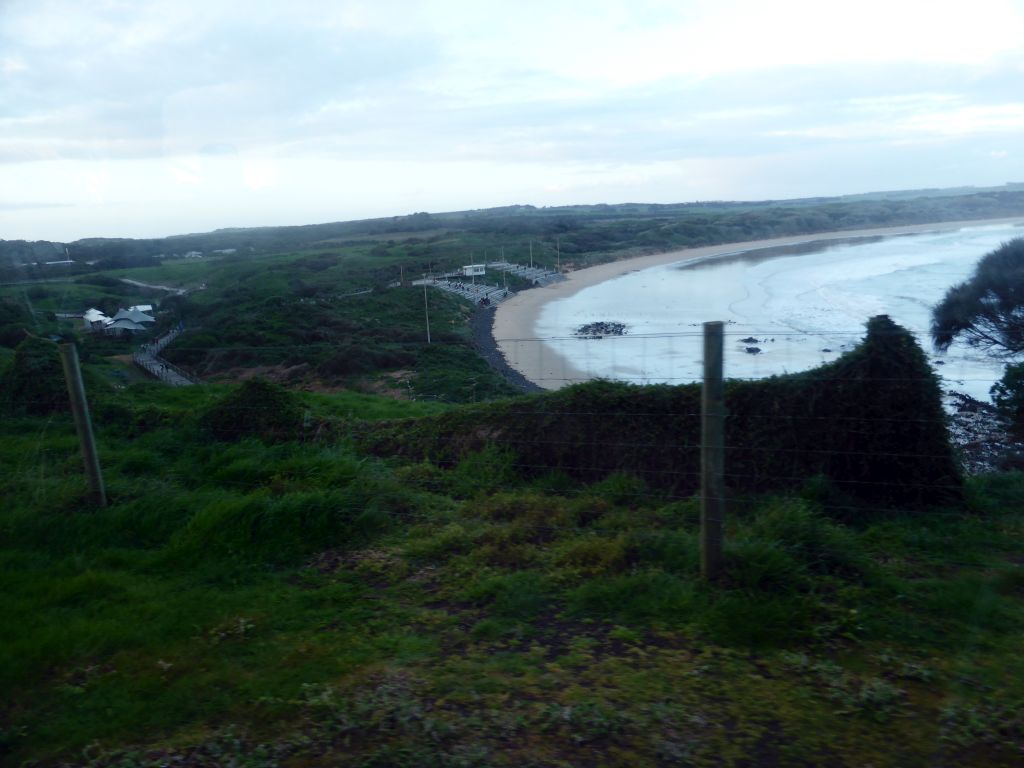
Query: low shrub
[593,555]
[764,566]
[261,528]
[520,596]
[256,408]
[621,489]
[34,383]
[483,472]
[676,552]
[821,545]
[645,596]
[452,539]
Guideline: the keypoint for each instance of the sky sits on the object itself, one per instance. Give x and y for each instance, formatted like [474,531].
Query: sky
[138,118]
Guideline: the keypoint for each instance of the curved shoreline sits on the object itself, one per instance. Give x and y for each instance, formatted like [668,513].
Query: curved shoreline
[539,363]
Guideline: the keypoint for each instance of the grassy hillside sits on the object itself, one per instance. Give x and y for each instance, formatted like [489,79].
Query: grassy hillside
[584,233]
[323,576]
[261,591]
[314,320]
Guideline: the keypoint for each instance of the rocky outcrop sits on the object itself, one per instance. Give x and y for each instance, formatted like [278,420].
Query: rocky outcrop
[600,329]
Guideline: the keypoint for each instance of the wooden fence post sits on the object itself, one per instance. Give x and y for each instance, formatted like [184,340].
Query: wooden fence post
[83,424]
[712,455]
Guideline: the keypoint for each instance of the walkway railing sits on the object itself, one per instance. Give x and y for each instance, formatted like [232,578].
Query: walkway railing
[148,359]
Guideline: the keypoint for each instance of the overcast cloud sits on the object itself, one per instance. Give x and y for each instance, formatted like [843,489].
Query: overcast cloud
[132,118]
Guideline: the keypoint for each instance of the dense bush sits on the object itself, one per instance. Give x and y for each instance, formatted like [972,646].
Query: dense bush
[871,422]
[34,384]
[352,359]
[14,319]
[1008,395]
[256,408]
[985,310]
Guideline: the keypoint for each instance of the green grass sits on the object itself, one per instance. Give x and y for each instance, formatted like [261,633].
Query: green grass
[75,295]
[298,603]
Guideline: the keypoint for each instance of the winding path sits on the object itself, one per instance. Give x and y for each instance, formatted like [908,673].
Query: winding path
[148,358]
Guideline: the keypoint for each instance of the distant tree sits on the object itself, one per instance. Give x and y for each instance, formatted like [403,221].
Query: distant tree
[986,311]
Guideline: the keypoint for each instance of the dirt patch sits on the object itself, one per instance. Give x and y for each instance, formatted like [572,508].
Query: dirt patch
[395,384]
[279,374]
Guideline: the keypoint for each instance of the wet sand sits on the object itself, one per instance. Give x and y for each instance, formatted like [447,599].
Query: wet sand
[516,318]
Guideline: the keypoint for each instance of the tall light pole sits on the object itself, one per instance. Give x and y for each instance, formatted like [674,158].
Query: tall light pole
[426,312]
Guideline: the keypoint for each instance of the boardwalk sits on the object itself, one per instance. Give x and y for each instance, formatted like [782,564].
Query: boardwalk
[481,293]
[536,275]
[475,292]
[148,359]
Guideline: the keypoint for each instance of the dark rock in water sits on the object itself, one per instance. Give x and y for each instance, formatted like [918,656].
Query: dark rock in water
[826,349]
[749,340]
[599,329]
[940,362]
[753,350]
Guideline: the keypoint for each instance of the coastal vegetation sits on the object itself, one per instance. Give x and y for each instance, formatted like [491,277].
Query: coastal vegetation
[987,311]
[312,307]
[874,418]
[349,546]
[580,234]
[265,588]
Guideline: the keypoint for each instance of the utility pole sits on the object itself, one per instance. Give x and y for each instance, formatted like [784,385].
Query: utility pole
[712,455]
[83,424]
[531,254]
[426,312]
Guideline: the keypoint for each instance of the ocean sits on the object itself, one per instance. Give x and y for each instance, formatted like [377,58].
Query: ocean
[786,309]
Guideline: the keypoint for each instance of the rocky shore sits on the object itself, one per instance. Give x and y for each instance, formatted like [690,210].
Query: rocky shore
[981,436]
[481,324]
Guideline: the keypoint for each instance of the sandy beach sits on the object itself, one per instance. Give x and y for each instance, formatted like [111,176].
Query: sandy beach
[516,318]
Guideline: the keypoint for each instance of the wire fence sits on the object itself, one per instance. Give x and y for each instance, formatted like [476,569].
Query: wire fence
[879,451]
[553,362]
[661,439]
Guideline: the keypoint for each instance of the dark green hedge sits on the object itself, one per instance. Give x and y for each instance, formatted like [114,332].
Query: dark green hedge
[256,408]
[872,422]
[34,384]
